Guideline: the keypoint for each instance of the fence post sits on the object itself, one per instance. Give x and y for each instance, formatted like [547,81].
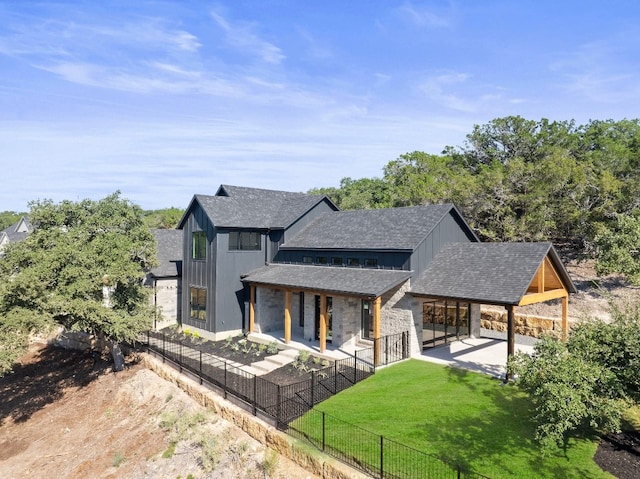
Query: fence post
[335,377]
[278,408]
[381,457]
[386,349]
[313,387]
[163,353]
[200,367]
[225,379]
[180,360]
[355,367]
[255,393]
[323,431]
[405,341]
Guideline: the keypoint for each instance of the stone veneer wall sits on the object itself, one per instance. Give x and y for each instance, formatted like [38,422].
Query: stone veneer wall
[269,313]
[167,297]
[526,325]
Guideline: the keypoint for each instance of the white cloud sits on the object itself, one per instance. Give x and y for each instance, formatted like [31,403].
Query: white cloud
[423,16]
[242,37]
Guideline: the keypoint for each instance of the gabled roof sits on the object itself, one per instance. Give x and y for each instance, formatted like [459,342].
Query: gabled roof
[381,229]
[18,231]
[331,279]
[489,273]
[169,243]
[240,207]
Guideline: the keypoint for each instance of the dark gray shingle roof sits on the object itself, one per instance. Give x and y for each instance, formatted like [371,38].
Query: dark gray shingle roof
[384,229]
[339,280]
[491,273]
[240,207]
[169,244]
[19,230]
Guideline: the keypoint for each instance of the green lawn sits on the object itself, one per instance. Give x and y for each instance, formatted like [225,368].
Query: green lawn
[469,418]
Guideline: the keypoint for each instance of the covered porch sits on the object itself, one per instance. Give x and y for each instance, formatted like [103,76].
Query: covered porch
[337,308]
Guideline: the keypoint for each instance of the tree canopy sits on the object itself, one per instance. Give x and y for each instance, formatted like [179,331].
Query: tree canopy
[83,267]
[522,180]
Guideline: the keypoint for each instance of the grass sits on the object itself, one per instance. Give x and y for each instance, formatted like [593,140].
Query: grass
[467,418]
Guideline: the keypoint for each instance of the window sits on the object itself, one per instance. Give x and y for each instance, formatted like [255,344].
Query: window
[353,262]
[199,245]
[371,262]
[307,259]
[244,241]
[301,317]
[367,319]
[321,260]
[336,261]
[198,303]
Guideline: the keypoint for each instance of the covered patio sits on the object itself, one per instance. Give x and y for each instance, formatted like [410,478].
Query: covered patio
[502,274]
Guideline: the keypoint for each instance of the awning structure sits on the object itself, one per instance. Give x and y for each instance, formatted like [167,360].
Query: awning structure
[366,283]
[504,274]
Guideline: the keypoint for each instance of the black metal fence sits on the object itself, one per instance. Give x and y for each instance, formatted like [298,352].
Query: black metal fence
[292,405]
[372,453]
[284,403]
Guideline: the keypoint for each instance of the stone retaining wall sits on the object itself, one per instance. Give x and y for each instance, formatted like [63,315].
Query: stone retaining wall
[526,325]
[301,453]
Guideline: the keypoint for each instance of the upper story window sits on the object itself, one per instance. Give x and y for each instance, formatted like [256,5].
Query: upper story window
[307,259]
[199,246]
[336,260]
[244,241]
[321,260]
[371,262]
[353,262]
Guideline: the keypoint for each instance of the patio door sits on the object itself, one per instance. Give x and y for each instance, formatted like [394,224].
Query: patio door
[444,321]
[328,313]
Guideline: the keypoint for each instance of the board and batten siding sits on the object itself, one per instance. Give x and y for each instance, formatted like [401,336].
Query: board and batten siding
[199,273]
[449,230]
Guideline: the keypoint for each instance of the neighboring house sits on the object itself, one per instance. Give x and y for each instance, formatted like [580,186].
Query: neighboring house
[265,261]
[166,278]
[15,232]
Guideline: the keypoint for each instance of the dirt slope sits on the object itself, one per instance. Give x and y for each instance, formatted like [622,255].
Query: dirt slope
[64,414]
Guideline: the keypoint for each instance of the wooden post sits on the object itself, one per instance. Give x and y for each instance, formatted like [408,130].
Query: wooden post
[376,331]
[252,308]
[565,317]
[323,322]
[511,337]
[287,316]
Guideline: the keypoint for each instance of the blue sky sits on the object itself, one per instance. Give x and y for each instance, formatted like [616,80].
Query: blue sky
[162,100]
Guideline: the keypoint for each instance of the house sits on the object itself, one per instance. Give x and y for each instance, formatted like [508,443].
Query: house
[15,232]
[166,278]
[270,261]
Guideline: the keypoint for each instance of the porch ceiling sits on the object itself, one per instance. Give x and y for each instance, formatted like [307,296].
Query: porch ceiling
[337,280]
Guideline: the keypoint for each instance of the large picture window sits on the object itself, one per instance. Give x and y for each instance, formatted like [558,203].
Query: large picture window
[198,302]
[244,241]
[199,246]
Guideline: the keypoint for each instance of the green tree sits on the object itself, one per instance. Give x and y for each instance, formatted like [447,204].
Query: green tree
[618,248]
[82,267]
[166,218]
[585,384]
[365,193]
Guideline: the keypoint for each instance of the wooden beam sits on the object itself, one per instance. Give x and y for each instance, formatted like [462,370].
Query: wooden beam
[376,331]
[565,317]
[252,308]
[542,297]
[287,316]
[323,322]
[541,277]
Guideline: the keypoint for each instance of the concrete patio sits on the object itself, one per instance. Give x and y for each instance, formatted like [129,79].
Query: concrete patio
[487,355]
